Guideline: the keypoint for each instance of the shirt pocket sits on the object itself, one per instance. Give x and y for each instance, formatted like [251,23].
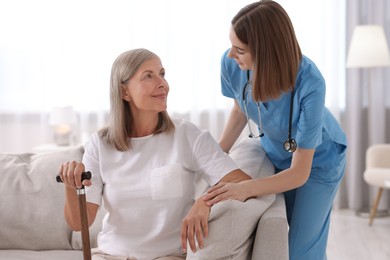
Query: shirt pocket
[166,182]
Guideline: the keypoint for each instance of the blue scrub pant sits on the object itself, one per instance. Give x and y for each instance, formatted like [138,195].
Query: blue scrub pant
[308,212]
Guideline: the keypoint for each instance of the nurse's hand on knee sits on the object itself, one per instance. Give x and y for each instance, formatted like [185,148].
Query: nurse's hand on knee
[226,191]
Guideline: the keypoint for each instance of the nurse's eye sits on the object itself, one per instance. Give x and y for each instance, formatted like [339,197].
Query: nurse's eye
[162,73]
[239,51]
[148,76]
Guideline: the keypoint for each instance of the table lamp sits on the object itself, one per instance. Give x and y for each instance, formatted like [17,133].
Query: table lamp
[368,47]
[63,118]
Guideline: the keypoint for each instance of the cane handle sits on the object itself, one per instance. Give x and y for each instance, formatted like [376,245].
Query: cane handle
[84,176]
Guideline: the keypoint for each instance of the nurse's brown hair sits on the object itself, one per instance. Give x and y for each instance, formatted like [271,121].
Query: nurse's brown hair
[267,30]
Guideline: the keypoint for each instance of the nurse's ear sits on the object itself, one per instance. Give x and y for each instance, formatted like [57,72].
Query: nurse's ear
[125,93]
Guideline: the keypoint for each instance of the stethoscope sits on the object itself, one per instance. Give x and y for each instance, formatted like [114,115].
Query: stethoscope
[290,145]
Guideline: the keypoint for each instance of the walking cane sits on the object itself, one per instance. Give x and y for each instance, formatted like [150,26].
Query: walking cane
[83,216]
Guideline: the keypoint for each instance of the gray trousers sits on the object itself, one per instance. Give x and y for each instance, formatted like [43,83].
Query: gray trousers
[98,255]
[231,229]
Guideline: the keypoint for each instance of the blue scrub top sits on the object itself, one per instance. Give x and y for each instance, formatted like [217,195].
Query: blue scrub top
[313,126]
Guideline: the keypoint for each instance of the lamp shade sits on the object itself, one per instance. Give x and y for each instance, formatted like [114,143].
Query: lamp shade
[368,47]
[63,116]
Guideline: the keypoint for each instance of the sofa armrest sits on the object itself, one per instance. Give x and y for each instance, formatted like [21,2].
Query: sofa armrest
[271,240]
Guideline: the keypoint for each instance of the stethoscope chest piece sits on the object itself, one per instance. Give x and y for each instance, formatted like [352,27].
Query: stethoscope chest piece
[290,145]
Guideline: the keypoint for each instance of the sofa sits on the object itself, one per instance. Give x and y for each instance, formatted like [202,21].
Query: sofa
[32,224]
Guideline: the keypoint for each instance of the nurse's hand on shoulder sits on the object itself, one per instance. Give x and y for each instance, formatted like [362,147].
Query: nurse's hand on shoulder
[195,225]
[226,191]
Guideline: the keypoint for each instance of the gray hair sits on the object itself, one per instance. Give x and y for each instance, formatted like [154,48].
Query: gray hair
[119,128]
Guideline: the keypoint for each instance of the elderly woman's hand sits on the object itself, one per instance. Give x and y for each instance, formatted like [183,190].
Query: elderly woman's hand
[70,173]
[195,224]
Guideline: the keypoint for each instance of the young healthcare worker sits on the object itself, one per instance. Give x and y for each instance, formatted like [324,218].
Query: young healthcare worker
[283,92]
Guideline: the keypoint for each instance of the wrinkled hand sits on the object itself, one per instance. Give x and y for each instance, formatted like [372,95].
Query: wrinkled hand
[195,224]
[226,191]
[70,173]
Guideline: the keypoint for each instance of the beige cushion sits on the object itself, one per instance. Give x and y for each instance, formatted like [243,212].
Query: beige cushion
[32,202]
[232,223]
[377,177]
[41,255]
[378,155]
[251,158]
[377,171]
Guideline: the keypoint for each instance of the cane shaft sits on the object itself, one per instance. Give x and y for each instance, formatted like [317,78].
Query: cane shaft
[84,224]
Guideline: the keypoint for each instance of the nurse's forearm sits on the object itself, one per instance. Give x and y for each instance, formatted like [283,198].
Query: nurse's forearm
[277,183]
[289,179]
[233,128]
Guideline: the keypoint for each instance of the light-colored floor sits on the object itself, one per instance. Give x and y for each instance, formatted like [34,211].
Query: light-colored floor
[351,238]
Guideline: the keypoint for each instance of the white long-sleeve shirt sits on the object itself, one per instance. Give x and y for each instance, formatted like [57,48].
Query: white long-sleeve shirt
[148,190]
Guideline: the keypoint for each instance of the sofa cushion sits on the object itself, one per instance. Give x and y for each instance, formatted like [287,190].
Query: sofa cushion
[251,158]
[32,202]
[41,255]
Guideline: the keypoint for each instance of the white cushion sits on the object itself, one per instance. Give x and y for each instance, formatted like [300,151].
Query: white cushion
[41,255]
[377,171]
[378,155]
[251,158]
[32,202]
[377,176]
